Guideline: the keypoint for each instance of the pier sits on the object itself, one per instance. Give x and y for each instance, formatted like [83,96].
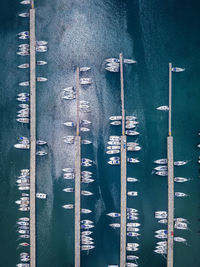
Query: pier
[170,239]
[123,175]
[32,139]
[77,176]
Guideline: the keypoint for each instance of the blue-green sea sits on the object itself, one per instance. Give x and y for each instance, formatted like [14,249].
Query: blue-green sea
[85,33]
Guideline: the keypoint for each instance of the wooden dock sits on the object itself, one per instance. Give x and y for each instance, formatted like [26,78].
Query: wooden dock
[170,157]
[123,176]
[32,140]
[77,177]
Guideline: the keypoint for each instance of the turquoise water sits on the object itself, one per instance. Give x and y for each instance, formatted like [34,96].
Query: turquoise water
[85,33]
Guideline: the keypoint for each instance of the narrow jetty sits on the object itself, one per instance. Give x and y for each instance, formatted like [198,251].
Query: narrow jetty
[32,139]
[170,247]
[123,175]
[77,176]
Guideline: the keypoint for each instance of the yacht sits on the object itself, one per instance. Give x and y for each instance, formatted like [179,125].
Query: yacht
[133,229]
[87,247]
[86,221]
[181,179]
[84,69]
[23,99]
[25,2]
[110,60]
[87,242]
[133,245]
[132,218]
[130,144]
[115,123]
[161,236]
[41,79]
[68,175]
[114,158]
[68,189]
[129,61]
[24,83]
[86,142]
[110,152]
[84,129]
[112,69]
[86,172]
[86,193]
[180,194]
[133,234]
[86,233]
[132,193]
[24,32]
[165,108]
[24,188]
[85,81]
[24,105]
[23,265]
[115,118]
[24,209]
[132,257]
[130,126]
[180,226]
[68,170]
[24,236]
[180,163]
[134,148]
[160,251]
[130,264]
[161,214]
[24,37]
[41,195]
[114,143]
[41,153]
[41,48]
[22,146]
[24,219]
[114,214]
[133,224]
[131,210]
[161,168]
[164,221]
[175,69]
[40,62]
[180,239]
[112,64]
[68,206]
[23,115]
[132,160]
[162,231]
[131,118]
[132,249]
[87,226]
[132,179]
[41,42]
[23,53]
[41,142]
[85,122]
[131,132]
[24,15]
[87,180]
[86,164]
[114,138]
[24,244]
[113,147]
[23,180]
[23,94]
[180,220]
[161,173]
[161,161]
[115,225]
[85,211]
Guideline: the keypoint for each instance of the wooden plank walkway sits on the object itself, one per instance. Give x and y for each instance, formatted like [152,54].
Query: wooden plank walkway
[32,140]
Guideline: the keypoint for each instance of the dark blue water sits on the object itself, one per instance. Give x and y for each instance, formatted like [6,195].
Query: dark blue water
[85,33]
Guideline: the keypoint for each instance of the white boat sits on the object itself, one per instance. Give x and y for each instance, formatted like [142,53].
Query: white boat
[132,210]
[23,33]
[114,143]
[23,99]
[130,126]
[68,206]
[164,221]
[110,152]
[41,153]
[86,193]
[24,209]
[41,42]
[114,214]
[132,179]
[160,251]
[87,247]
[161,236]
[41,142]
[86,221]
[115,225]
[86,164]
[23,94]
[115,123]
[161,161]
[24,83]
[133,224]
[132,193]
[86,233]
[161,168]
[85,81]
[24,219]
[68,170]
[115,138]
[23,223]
[41,195]
[84,68]
[130,264]
[41,79]
[180,163]
[180,220]
[115,118]
[164,108]
[68,175]
[180,239]
[133,160]
[161,173]
[24,15]
[23,115]
[129,61]
[113,147]
[112,69]
[24,188]
[175,69]
[24,66]
[23,180]
[161,214]
[132,249]
[23,265]
[181,179]
[131,132]
[180,194]
[131,118]
[114,158]
[87,180]
[85,122]
[133,234]
[130,144]
[68,189]
[133,229]
[132,218]
[86,172]
[112,64]
[132,257]
[84,129]
[40,62]
[134,148]
[86,226]
[22,146]
[133,245]
[85,211]
[41,48]
[86,142]
[109,60]
[24,105]
[180,226]
[24,37]
[25,2]
[161,231]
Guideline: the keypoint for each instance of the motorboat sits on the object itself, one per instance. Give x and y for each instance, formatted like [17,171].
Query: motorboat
[129,61]
[161,214]
[132,179]
[85,122]
[69,97]
[86,172]
[24,209]
[23,265]
[23,115]
[180,163]
[86,142]
[114,214]
[113,147]
[85,211]
[134,148]
[87,226]
[68,206]
[24,105]
[41,142]
[22,99]
[22,146]
[110,60]
[24,236]
[84,129]
[180,220]
[112,69]
[133,245]
[161,236]
[161,168]
[131,118]
[41,79]
[114,158]
[133,234]
[82,69]
[115,118]
[131,132]
[180,194]
[86,221]
[132,257]
[23,180]
[114,143]
[41,48]
[161,231]
[161,173]
[24,188]
[24,83]
[23,94]
[115,123]
[164,108]
[41,42]
[131,210]
[133,224]
[86,193]
[112,64]
[130,264]
[132,249]
[40,62]
[68,170]
[68,175]
[181,179]
[86,164]
[86,233]
[25,2]
[175,69]
[24,15]
[87,247]
[23,37]
[87,180]
[23,223]
[41,153]
[181,226]
[23,53]
[115,138]
[160,251]
[161,161]
[164,221]
[133,160]
[130,126]
[41,195]
[180,239]
[115,225]
[85,81]
[110,152]
[133,229]
[132,193]
[130,144]
[23,33]
[24,244]
[87,242]
[132,218]
[68,190]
